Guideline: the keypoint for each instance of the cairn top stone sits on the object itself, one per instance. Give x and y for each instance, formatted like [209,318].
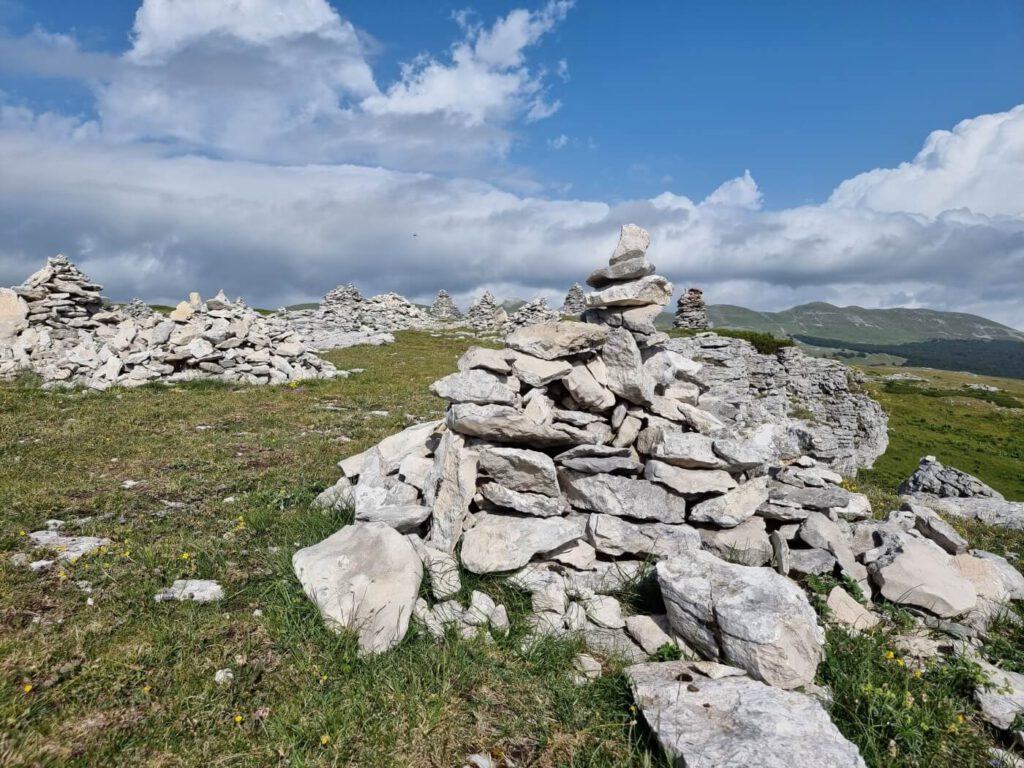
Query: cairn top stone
[633,244]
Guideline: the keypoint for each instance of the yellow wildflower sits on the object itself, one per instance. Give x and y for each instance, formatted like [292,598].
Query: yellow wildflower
[901,663]
[951,728]
[185,555]
[238,719]
[325,739]
[22,533]
[146,689]
[27,687]
[890,655]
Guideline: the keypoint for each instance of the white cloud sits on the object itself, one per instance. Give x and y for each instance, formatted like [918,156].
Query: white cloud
[284,197]
[559,142]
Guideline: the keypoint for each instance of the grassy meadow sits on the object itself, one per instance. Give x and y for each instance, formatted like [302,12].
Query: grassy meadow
[94,672]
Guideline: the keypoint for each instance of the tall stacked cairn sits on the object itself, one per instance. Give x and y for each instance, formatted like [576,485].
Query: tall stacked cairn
[444,308]
[575,301]
[60,297]
[628,294]
[532,312]
[691,312]
[485,314]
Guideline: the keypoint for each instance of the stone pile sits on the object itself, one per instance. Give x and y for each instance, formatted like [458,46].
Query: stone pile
[212,339]
[60,297]
[691,312]
[137,309]
[956,493]
[581,453]
[533,312]
[343,303]
[444,308]
[485,314]
[575,301]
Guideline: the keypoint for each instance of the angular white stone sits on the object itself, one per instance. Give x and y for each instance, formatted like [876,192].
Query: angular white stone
[365,578]
[519,469]
[502,543]
[474,386]
[734,507]
[735,721]
[622,497]
[550,341]
[613,536]
[752,618]
[689,481]
[192,590]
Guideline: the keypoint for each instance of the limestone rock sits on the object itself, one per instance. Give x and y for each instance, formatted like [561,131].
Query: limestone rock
[614,536]
[622,497]
[689,482]
[844,610]
[734,507]
[192,591]
[364,578]
[474,386]
[633,244]
[735,721]
[752,618]
[520,470]
[920,573]
[552,341]
[503,543]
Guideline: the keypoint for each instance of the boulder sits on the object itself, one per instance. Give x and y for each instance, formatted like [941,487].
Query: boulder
[653,289]
[474,386]
[449,489]
[614,536]
[918,572]
[734,721]
[633,244]
[752,618]
[519,469]
[364,578]
[1001,701]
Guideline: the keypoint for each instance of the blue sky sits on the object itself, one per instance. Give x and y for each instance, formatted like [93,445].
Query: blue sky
[579,114]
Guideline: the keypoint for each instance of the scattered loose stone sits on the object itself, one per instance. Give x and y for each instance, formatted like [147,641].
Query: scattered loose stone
[192,590]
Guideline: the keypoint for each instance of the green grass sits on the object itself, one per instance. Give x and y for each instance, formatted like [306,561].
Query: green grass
[960,428]
[130,681]
[765,343]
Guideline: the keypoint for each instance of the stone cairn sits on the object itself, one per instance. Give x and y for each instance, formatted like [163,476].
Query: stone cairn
[137,309]
[691,312]
[533,312]
[342,304]
[85,345]
[582,453]
[485,314]
[60,297]
[444,308]
[575,301]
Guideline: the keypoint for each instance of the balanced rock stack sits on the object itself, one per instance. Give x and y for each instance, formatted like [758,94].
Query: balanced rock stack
[575,301]
[444,308]
[60,297]
[580,454]
[343,303]
[533,312]
[628,294]
[213,339]
[691,312]
[485,314]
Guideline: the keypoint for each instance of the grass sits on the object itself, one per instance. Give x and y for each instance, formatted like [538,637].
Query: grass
[226,477]
[960,429]
[765,343]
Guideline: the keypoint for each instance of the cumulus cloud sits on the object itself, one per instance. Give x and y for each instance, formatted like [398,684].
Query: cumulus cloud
[255,151]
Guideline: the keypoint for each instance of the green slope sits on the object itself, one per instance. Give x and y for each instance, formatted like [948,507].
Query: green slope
[865,326]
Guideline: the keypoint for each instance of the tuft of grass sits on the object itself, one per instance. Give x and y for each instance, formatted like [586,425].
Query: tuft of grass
[765,343]
[899,715]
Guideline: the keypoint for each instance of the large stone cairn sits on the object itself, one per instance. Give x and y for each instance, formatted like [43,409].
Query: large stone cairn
[342,305]
[958,494]
[444,308]
[533,312]
[575,301]
[580,454]
[485,314]
[85,345]
[60,297]
[691,312]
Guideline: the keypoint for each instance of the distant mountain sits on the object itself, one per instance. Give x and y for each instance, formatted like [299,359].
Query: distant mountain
[863,326]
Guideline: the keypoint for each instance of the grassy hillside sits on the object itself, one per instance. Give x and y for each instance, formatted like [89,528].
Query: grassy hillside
[225,479]
[867,326]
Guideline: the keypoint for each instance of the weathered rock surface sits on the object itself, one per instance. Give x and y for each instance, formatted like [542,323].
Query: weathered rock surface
[503,543]
[727,719]
[364,578]
[752,618]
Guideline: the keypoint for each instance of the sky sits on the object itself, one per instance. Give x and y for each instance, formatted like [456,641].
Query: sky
[867,153]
